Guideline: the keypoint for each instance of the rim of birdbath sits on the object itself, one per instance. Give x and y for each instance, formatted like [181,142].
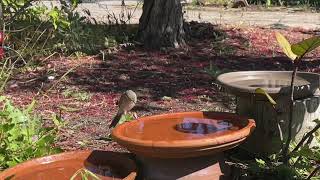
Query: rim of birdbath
[184,134]
[274,83]
[105,164]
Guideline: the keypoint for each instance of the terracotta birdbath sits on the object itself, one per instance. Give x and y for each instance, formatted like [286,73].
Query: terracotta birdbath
[183,145]
[106,165]
[272,122]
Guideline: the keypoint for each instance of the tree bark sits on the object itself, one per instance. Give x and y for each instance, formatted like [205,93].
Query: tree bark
[161,24]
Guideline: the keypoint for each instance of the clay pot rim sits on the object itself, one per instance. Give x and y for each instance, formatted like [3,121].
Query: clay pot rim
[192,144]
[251,90]
[186,153]
[64,157]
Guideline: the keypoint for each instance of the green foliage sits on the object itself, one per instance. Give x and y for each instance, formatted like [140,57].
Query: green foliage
[285,45]
[214,71]
[5,72]
[261,163]
[76,94]
[263,92]
[305,46]
[195,2]
[299,50]
[268,3]
[34,32]
[22,135]
[84,174]
[302,163]
[125,118]
[270,168]
[58,121]
[16,10]
[58,19]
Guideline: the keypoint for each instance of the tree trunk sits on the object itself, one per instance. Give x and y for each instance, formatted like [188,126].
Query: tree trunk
[161,24]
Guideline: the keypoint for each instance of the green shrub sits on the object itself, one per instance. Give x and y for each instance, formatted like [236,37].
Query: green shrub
[35,32]
[23,135]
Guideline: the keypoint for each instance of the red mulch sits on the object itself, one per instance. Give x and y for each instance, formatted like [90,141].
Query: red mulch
[155,75]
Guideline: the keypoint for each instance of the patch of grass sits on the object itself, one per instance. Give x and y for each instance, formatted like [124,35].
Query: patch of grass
[214,71]
[76,94]
[223,49]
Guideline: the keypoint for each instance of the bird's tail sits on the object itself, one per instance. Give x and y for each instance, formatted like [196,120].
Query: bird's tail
[115,120]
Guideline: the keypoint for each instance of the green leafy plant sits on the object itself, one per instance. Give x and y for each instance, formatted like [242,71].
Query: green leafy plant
[34,32]
[296,53]
[303,164]
[22,135]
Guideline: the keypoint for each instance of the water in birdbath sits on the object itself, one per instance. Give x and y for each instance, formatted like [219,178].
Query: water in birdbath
[174,129]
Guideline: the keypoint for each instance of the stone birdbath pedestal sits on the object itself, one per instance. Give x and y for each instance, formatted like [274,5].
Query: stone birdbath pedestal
[267,139]
[185,146]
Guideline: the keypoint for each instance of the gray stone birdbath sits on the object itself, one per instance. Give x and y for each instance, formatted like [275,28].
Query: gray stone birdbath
[266,138]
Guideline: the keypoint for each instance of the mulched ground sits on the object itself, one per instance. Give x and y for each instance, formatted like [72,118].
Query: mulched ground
[165,81]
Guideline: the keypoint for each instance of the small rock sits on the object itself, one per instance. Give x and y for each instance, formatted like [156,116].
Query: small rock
[166,98]
[123,77]
[14,85]
[51,78]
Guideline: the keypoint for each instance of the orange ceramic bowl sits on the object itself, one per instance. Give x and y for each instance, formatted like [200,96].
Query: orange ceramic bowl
[187,134]
[107,165]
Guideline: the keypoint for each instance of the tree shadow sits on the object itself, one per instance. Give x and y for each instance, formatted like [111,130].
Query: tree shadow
[177,73]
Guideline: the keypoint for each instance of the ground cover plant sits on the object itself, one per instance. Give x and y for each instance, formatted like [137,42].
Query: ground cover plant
[23,135]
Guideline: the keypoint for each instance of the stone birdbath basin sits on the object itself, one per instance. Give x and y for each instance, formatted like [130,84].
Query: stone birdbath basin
[107,165]
[277,84]
[183,145]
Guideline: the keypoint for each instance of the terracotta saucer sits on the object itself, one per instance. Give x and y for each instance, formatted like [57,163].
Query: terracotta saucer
[188,134]
[107,165]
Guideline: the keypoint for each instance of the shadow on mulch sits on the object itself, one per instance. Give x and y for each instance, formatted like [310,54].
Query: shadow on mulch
[171,72]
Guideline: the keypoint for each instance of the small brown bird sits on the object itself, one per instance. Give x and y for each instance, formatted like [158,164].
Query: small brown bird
[127,101]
